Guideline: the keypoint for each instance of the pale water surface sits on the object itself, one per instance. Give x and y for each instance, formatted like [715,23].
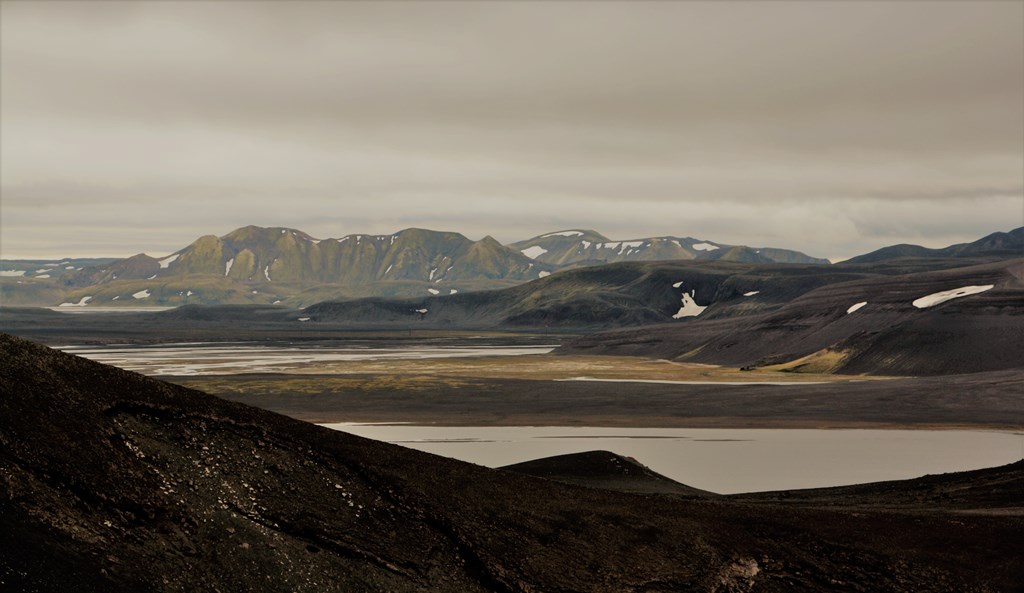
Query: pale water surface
[233,358]
[725,460]
[75,309]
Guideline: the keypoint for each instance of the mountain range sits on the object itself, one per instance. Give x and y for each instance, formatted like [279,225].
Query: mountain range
[288,268]
[257,265]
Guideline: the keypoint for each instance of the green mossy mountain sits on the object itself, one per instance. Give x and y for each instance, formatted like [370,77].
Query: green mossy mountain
[256,265]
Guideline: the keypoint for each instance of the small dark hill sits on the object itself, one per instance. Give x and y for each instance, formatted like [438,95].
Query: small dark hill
[606,470]
[113,482]
[998,245]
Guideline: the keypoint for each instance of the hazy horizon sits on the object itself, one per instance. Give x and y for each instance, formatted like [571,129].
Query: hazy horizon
[829,128]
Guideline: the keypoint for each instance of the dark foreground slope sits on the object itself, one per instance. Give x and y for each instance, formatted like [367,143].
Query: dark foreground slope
[110,481]
[996,490]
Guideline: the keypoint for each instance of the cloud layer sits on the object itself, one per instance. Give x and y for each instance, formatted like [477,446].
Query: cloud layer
[833,128]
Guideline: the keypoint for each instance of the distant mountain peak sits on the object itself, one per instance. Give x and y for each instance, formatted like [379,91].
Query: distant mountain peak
[585,247]
[998,244]
[588,234]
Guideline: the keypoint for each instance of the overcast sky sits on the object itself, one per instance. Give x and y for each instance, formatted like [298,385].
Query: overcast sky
[829,127]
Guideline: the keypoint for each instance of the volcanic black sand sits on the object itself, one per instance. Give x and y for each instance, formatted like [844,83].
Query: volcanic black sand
[983,400]
[110,481]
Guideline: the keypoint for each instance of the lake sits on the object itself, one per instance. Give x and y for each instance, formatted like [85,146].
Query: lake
[726,461]
[719,460]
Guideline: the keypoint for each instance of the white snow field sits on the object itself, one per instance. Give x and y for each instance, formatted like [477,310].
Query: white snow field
[856,307]
[947,295]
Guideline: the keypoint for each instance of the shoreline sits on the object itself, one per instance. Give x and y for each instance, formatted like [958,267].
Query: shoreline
[691,423]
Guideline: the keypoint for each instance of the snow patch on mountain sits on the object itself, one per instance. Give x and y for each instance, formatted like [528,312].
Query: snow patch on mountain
[543,274]
[621,246]
[142,294]
[433,291]
[941,297]
[563,234]
[534,252]
[690,307]
[704,246]
[751,293]
[170,259]
[12,273]
[856,307]
[81,303]
[227,266]
[266,273]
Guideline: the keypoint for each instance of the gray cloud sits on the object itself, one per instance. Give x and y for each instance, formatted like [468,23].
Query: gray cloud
[829,127]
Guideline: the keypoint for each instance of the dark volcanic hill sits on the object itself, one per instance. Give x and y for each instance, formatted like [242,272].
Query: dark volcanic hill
[112,482]
[614,295]
[948,321]
[604,469]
